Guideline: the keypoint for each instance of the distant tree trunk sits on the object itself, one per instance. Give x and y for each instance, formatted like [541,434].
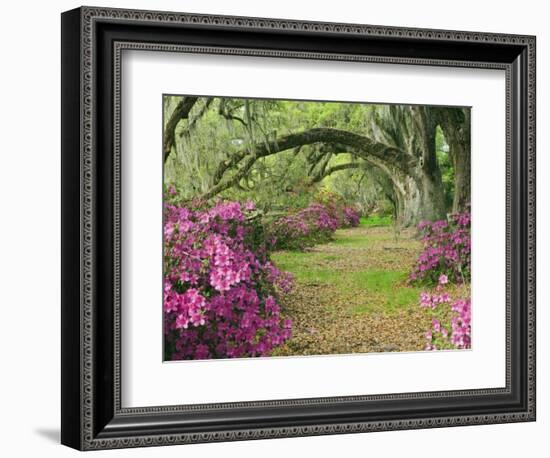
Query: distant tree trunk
[432,196]
[462,167]
[455,124]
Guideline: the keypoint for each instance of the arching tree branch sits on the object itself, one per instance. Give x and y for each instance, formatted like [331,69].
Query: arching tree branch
[227,114]
[237,176]
[360,145]
[195,119]
[180,112]
[336,168]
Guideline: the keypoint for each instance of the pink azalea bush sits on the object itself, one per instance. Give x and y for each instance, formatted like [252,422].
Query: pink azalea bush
[447,247]
[220,288]
[305,228]
[445,334]
[350,217]
[310,226]
[335,205]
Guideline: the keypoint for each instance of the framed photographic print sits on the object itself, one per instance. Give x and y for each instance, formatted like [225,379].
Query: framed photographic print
[277,228]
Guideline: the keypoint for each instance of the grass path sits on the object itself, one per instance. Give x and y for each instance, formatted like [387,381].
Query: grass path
[351,294]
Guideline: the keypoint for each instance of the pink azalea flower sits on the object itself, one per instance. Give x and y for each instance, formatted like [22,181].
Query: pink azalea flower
[213,305]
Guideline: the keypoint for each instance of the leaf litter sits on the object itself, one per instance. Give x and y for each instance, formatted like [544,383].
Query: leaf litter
[351,295]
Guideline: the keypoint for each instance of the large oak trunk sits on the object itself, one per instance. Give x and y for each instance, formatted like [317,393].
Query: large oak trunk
[419,199]
[456,128]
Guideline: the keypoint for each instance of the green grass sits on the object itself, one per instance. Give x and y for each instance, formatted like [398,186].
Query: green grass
[301,260]
[356,240]
[376,221]
[367,291]
[342,266]
[388,287]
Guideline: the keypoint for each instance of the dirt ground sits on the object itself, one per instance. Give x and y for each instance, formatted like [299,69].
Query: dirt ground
[351,295]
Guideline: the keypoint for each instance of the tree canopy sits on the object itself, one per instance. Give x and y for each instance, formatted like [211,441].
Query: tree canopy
[414,160]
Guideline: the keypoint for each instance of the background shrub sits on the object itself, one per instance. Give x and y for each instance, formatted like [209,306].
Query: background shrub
[310,226]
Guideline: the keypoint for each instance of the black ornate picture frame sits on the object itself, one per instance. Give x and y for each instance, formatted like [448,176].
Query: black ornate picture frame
[92,42]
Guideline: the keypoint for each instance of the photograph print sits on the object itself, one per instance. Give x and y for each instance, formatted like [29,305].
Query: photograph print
[300,228]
